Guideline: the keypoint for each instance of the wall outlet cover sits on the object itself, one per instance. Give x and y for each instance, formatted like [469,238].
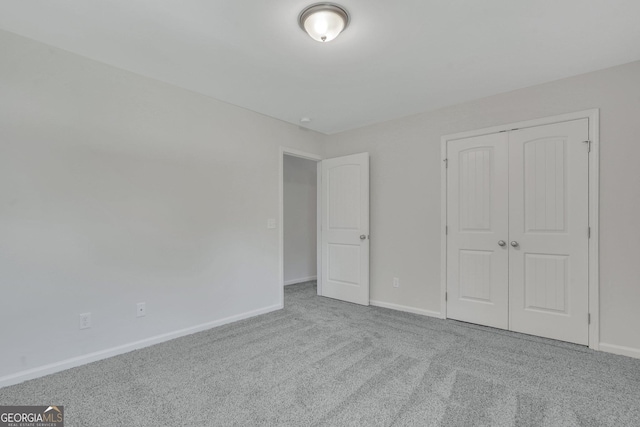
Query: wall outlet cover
[85,320]
[141,309]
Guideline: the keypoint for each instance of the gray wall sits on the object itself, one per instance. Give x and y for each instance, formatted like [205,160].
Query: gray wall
[405,189]
[118,189]
[300,224]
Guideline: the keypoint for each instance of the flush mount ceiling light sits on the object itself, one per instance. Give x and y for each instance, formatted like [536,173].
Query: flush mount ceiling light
[324,21]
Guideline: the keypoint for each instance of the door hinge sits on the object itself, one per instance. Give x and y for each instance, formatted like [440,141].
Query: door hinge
[446,163]
[589,318]
[588,232]
[446,229]
[588,145]
[446,296]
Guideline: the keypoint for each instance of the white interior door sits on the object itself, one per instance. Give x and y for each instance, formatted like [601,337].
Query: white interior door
[548,217]
[345,228]
[477,219]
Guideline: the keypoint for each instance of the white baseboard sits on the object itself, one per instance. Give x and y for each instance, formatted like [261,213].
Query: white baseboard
[301,280]
[406,308]
[114,351]
[621,350]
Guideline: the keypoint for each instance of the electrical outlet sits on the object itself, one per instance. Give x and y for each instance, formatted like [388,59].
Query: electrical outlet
[85,320]
[396,282]
[141,309]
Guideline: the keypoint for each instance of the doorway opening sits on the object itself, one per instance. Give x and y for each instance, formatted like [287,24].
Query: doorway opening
[300,220]
[299,231]
[342,224]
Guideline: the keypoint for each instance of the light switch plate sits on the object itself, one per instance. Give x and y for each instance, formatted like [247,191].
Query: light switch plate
[271,223]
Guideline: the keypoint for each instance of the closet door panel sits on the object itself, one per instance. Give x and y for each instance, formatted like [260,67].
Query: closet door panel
[477,278]
[548,231]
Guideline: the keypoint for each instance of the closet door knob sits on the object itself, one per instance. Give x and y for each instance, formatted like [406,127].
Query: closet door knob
[514,244]
[362,237]
[501,243]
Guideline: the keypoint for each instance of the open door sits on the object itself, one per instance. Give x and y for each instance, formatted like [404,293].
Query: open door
[345,228]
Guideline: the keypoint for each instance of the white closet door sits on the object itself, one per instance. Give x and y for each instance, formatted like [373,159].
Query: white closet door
[548,217]
[477,218]
[345,228]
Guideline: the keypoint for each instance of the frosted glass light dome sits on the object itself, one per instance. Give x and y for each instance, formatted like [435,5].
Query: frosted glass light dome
[324,21]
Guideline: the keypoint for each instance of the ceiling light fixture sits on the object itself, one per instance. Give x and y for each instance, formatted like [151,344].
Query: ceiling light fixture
[324,21]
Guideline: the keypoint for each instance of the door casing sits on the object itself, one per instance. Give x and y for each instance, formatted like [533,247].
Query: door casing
[594,199]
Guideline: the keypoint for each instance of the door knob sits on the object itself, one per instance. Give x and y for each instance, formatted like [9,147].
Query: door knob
[501,243]
[514,244]
[362,237]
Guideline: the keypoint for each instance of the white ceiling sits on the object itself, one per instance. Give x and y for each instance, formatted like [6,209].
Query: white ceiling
[396,58]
